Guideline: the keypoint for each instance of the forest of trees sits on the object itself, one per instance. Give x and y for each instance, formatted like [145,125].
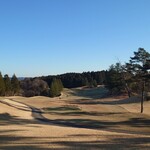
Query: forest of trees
[49,85]
[9,87]
[132,78]
[53,85]
[73,80]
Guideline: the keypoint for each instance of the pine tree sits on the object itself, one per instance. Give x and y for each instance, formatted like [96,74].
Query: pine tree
[60,85]
[7,85]
[15,84]
[2,85]
[94,83]
[138,68]
[56,87]
[114,80]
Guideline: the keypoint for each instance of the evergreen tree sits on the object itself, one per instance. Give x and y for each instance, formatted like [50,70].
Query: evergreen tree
[60,84]
[138,67]
[94,83]
[114,80]
[7,85]
[15,84]
[56,87]
[2,85]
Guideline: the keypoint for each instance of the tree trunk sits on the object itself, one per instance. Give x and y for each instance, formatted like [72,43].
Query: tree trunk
[143,96]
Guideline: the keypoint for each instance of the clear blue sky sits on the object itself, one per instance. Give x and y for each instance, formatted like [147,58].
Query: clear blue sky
[46,37]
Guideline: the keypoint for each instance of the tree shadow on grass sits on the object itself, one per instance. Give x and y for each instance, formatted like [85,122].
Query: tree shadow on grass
[10,141]
[36,143]
[22,143]
[62,108]
[22,147]
[72,142]
[83,113]
[7,119]
[111,144]
[106,125]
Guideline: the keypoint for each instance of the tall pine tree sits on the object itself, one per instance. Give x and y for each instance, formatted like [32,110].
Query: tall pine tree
[2,85]
[137,63]
[15,84]
[7,82]
[114,80]
[56,87]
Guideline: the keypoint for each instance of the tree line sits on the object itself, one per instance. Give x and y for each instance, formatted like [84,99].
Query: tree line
[49,85]
[132,78]
[29,87]
[73,80]
[53,85]
[9,86]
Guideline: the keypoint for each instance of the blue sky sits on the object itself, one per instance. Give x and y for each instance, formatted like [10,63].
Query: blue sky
[46,37]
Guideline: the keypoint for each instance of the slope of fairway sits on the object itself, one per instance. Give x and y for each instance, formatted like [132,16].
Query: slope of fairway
[86,108]
[79,119]
[18,133]
[15,109]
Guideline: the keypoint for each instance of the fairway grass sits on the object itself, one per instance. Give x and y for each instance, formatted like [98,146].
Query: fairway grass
[79,119]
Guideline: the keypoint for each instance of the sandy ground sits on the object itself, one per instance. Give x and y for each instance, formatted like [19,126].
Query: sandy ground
[99,123]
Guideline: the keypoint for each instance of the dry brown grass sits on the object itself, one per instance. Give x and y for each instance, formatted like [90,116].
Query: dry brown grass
[79,119]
